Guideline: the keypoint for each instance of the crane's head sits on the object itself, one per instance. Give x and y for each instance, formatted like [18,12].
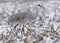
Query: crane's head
[37,6]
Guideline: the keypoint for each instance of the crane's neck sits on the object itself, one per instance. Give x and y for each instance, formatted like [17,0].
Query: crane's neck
[36,10]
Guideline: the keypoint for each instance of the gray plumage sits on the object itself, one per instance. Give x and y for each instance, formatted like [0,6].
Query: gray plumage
[23,17]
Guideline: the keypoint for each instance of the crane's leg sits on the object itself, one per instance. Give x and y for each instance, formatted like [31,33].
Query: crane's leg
[16,25]
[22,32]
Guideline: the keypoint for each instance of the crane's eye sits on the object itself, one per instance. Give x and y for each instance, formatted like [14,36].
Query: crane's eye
[39,5]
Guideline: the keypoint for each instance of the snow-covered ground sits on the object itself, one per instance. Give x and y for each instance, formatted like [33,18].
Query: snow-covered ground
[45,29]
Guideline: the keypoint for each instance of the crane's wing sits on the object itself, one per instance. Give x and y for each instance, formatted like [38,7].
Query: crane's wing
[18,17]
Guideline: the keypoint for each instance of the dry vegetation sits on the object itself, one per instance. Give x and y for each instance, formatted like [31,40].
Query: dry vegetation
[45,29]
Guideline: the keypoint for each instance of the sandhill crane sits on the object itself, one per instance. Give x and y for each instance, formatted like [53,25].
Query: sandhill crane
[23,17]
